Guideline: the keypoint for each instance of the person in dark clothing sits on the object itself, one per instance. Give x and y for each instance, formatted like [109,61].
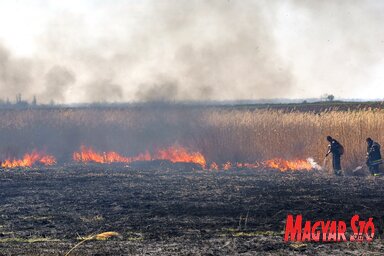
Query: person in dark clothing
[337,150]
[373,156]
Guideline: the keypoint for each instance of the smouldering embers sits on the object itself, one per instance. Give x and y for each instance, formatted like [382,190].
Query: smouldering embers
[174,154]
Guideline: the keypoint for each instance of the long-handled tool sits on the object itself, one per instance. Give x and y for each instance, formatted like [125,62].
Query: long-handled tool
[324,162]
[357,168]
[360,167]
[323,167]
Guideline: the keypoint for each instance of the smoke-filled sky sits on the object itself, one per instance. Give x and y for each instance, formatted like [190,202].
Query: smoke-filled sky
[141,50]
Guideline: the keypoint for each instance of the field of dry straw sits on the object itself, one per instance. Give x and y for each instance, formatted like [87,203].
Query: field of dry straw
[221,134]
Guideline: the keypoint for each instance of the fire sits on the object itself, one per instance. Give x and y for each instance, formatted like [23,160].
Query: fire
[28,160]
[173,154]
[276,163]
[213,166]
[180,154]
[227,166]
[48,160]
[285,165]
[89,155]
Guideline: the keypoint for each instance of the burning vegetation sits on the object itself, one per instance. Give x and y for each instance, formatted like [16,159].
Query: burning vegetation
[174,154]
[276,163]
[215,138]
[179,154]
[29,159]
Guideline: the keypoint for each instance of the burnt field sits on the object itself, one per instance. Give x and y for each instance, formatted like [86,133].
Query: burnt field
[160,208]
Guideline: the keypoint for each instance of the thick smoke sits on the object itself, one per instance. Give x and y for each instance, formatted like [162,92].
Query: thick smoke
[166,91]
[57,81]
[103,90]
[198,50]
[159,50]
[15,74]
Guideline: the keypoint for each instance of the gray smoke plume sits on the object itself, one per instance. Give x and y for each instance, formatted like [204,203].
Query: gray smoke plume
[15,74]
[215,50]
[199,50]
[57,81]
[173,50]
[166,91]
[102,90]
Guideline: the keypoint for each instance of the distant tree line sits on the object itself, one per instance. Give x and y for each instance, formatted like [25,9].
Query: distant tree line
[22,103]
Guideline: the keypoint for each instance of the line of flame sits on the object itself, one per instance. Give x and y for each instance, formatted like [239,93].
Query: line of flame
[275,163]
[174,154]
[28,160]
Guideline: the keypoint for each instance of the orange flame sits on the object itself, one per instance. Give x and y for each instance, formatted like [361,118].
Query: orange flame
[180,154]
[48,160]
[276,163]
[213,166]
[89,155]
[173,154]
[227,166]
[285,165]
[28,160]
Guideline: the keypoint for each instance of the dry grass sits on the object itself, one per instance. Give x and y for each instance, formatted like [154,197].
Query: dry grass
[267,134]
[102,236]
[221,135]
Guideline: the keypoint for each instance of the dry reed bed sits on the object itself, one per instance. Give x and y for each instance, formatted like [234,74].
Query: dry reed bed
[220,134]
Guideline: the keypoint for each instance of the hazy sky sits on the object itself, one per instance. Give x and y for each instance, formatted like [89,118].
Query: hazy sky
[128,50]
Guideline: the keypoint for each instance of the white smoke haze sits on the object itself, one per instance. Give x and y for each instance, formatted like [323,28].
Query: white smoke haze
[314,165]
[115,51]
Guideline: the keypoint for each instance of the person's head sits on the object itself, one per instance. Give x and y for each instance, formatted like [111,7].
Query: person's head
[369,141]
[329,138]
